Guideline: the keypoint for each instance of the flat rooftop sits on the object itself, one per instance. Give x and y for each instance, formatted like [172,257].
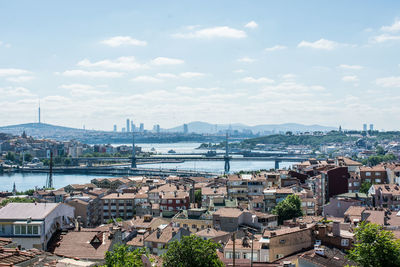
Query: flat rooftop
[23,211]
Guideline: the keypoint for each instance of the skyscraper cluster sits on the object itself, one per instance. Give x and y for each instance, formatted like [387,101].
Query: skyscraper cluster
[129,127]
[371,127]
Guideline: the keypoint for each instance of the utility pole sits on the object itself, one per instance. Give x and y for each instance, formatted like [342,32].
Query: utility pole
[133,163]
[226,157]
[234,251]
[252,246]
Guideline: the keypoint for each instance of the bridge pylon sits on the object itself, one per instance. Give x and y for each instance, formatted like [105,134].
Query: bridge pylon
[226,157]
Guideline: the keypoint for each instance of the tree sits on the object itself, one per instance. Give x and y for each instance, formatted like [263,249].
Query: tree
[375,247]
[365,186]
[380,150]
[192,251]
[197,197]
[10,156]
[28,157]
[16,200]
[288,209]
[121,256]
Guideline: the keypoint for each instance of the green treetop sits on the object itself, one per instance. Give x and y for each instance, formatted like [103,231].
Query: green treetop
[375,247]
[288,209]
[192,251]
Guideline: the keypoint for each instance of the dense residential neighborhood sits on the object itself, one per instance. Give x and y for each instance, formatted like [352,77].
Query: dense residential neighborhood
[240,212]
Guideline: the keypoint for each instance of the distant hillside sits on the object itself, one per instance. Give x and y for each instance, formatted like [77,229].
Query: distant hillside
[204,127]
[39,129]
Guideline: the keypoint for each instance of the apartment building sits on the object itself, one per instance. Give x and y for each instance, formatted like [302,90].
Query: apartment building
[117,205]
[385,195]
[375,175]
[31,225]
[193,220]
[172,202]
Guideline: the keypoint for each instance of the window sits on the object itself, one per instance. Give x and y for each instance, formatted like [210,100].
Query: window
[350,184]
[378,181]
[23,230]
[377,174]
[345,242]
[178,201]
[367,174]
[35,229]
[356,183]
[17,229]
[169,201]
[29,229]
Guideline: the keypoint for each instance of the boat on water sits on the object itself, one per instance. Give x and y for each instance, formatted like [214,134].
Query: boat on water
[171,151]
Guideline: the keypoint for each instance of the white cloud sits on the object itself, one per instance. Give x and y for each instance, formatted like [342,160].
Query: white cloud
[13,72]
[20,79]
[76,86]
[252,25]
[246,60]
[121,63]
[5,44]
[238,71]
[288,76]
[322,44]
[275,48]
[166,75]
[350,67]
[187,89]
[291,87]
[146,79]
[83,90]
[395,27]
[385,37]
[16,91]
[257,80]
[159,61]
[191,74]
[213,32]
[393,81]
[350,78]
[92,74]
[123,40]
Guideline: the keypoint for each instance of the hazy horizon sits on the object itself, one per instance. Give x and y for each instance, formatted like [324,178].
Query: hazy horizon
[97,63]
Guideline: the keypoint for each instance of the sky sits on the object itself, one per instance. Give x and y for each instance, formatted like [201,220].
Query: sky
[96,63]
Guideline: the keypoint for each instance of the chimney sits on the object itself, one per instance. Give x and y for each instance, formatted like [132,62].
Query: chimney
[336,228]
[321,231]
[303,225]
[272,234]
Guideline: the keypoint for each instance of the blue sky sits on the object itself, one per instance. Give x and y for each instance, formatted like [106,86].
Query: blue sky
[96,63]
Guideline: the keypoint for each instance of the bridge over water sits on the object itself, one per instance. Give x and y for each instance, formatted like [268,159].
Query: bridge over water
[121,171]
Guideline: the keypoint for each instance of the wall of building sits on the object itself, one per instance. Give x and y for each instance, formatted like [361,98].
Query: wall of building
[284,245]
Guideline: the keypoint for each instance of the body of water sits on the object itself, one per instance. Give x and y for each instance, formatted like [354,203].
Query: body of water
[25,181]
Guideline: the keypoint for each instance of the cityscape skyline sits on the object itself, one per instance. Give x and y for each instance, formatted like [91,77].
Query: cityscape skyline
[248,64]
